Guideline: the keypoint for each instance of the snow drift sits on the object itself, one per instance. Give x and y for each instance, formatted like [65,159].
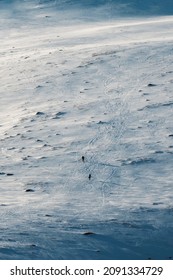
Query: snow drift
[86,130]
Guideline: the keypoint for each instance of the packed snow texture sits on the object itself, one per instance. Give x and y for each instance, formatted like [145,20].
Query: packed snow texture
[86,133]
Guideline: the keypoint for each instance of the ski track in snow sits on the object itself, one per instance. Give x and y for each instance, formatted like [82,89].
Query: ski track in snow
[102,91]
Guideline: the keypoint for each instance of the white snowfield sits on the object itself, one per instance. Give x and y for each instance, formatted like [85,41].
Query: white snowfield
[98,90]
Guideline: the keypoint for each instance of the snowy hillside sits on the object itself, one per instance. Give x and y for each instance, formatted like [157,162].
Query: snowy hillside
[87,9]
[86,131]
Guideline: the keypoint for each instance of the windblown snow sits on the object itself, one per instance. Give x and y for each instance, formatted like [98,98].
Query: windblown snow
[86,145]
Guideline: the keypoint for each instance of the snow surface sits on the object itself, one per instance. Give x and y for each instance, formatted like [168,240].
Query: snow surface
[102,89]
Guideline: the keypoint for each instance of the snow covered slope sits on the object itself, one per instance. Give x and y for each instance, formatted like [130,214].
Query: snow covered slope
[88,9]
[102,90]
